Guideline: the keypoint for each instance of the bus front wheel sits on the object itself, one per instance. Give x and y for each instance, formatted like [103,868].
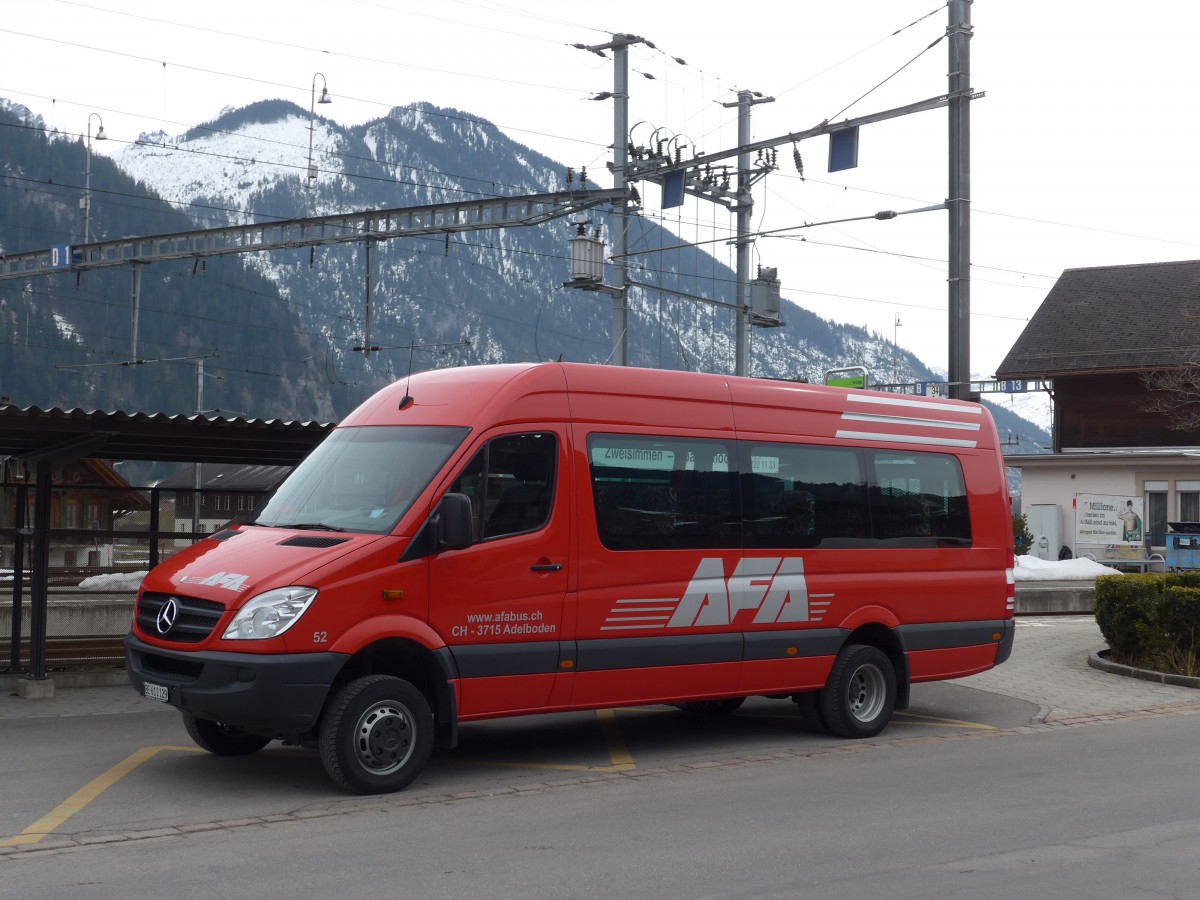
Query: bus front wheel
[377,735]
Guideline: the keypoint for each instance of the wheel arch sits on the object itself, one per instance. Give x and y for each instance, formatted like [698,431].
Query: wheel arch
[885,638]
[430,671]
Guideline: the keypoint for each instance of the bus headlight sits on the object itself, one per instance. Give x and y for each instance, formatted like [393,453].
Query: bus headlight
[270,615]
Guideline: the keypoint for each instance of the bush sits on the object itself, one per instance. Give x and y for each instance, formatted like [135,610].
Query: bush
[1022,536]
[1123,610]
[1151,621]
[1178,626]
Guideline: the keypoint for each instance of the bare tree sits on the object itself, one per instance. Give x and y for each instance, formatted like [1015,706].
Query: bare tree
[1175,395]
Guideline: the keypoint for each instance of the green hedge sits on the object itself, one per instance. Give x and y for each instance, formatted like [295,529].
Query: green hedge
[1152,621]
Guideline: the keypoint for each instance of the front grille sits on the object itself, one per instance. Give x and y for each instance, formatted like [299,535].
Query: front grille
[194,621]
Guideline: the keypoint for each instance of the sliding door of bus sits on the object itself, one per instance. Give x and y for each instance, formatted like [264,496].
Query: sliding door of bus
[659,537]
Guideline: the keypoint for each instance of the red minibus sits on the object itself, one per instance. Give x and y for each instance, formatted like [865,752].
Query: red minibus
[503,540]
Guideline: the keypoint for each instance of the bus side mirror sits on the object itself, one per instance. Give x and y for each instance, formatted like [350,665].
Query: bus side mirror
[454,531]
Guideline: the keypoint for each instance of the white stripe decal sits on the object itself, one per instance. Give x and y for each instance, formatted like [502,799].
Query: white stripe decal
[904,420]
[904,439]
[629,627]
[915,404]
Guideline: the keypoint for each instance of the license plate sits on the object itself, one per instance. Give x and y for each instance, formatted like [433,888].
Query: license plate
[157,692]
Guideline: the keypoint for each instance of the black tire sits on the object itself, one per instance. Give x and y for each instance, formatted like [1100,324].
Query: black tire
[809,705]
[860,695]
[223,740]
[724,707]
[376,735]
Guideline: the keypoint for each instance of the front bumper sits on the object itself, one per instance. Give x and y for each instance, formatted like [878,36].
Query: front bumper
[276,694]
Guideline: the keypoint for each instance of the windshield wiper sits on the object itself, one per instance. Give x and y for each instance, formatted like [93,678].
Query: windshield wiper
[313,526]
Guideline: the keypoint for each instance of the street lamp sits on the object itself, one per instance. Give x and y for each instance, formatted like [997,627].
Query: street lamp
[86,202]
[312,115]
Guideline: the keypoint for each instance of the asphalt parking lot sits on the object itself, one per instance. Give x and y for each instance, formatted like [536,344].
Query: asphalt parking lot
[95,765]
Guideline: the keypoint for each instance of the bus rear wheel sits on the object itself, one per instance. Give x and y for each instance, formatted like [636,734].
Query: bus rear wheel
[376,735]
[860,695]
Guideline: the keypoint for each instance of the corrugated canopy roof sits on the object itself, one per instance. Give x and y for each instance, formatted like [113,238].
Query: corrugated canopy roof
[31,433]
[1112,319]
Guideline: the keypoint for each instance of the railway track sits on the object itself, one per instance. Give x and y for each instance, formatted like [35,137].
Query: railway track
[73,652]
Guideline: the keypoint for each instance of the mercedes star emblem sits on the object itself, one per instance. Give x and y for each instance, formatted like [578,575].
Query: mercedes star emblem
[167,615]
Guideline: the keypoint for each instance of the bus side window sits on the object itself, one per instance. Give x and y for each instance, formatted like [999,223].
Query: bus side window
[521,471]
[801,495]
[919,494]
[671,493]
[510,482]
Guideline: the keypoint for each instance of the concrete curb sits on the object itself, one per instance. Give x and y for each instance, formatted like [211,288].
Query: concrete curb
[78,678]
[1098,659]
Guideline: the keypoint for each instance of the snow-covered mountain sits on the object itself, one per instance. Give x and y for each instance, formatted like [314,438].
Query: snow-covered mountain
[501,291]
[473,297]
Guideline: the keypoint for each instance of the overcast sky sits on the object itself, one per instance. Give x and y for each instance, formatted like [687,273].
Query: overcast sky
[1084,149]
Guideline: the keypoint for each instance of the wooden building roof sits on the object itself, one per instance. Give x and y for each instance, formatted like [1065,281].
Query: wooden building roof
[1112,319]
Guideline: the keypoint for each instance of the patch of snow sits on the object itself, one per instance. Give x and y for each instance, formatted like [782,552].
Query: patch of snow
[66,329]
[1035,406]
[1031,568]
[117,581]
[231,166]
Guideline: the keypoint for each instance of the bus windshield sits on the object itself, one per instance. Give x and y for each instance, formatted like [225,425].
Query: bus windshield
[360,479]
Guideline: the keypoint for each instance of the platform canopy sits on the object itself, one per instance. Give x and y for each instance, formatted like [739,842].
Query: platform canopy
[30,435]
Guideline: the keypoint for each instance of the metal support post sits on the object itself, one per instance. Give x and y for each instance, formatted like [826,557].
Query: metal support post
[40,581]
[744,209]
[959,200]
[135,290]
[370,299]
[22,500]
[620,302]
[197,477]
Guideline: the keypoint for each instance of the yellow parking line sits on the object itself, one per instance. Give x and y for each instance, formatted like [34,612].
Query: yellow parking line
[85,795]
[938,722]
[617,752]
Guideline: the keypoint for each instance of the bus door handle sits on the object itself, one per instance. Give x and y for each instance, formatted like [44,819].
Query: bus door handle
[546,567]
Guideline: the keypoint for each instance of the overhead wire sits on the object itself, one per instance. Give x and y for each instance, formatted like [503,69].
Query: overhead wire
[879,250]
